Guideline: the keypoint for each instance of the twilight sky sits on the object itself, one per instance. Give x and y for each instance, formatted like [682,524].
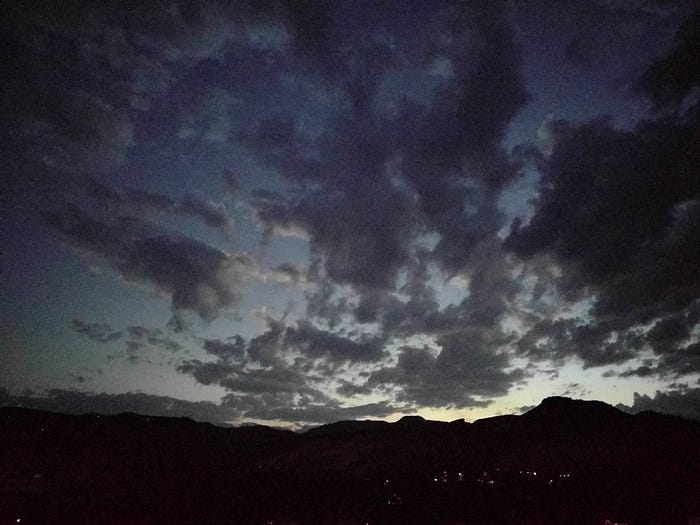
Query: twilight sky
[297,212]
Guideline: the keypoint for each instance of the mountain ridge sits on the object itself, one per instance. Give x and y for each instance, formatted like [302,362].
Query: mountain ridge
[570,461]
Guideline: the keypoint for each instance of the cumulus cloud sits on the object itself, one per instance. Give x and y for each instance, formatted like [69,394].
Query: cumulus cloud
[285,371]
[313,343]
[469,370]
[211,213]
[141,335]
[612,214]
[196,276]
[99,332]
[225,350]
[381,168]
[380,144]
[671,78]
[682,402]
[74,93]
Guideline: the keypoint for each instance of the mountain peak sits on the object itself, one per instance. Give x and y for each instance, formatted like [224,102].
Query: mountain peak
[565,407]
[409,419]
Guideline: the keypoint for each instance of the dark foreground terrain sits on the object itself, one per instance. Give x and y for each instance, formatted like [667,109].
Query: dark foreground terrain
[573,462]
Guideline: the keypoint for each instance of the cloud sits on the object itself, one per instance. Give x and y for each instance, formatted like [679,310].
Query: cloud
[99,332]
[469,370]
[315,343]
[381,168]
[211,213]
[263,361]
[284,371]
[72,133]
[77,402]
[207,373]
[225,350]
[557,340]
[683,402]
[576,52]
[196,276]
[613,216]
[211,118]
[615,225]
[380,144]
[76,95]
[671,78]
[153,336]
[683,360]
[326,413]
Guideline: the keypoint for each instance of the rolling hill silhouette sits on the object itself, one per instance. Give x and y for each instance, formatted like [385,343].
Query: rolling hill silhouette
[564,461]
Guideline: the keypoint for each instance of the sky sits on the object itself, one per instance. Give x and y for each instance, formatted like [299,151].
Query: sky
[292,213]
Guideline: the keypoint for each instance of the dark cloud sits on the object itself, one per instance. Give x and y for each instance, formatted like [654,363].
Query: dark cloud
[282,371]
[225,350]
[589,341]
[598,217]
[386,168]
[379,140]
[207,373]
[415,309]
[285,392]
[211,213]
[615,213]
[132,350]
[278,380]
[576,52]
[260,363]
[140,332]
[100,332]
[232,180]
[77,402]
[576,390]
[316,343]
[666,334]
[197,277]
[152,336]
[325,303]
[468,371]
[77,75]
[349,389]
[641,371]
[358,245]
[618,215]
[79,78]
[683,360]
[671,78]
[684,402]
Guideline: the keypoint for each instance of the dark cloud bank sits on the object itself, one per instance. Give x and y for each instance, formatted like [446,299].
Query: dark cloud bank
[392,165]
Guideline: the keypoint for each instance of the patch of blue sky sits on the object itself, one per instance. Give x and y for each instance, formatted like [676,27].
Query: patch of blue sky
[517,199]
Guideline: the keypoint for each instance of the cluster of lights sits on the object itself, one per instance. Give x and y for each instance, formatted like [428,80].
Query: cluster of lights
[529,473]
[394,498]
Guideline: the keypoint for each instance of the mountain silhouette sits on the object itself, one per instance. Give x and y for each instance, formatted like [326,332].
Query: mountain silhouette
[564,461]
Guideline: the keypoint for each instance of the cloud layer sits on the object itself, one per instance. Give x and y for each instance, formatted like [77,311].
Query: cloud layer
[357,168]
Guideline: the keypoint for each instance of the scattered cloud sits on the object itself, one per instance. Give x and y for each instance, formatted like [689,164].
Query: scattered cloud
[78,402]
[377,147]
[99,332]
[153,336]
[196,276]
[683,402]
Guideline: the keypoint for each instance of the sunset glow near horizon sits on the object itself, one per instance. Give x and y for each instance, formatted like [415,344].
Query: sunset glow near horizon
[297,213]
